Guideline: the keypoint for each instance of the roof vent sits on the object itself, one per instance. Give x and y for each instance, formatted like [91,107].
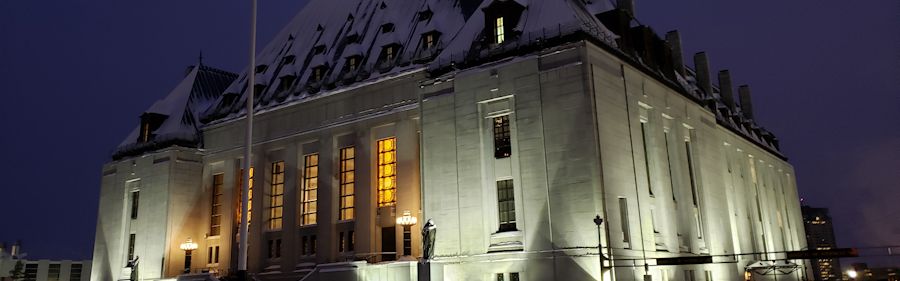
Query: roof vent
[387,27]
[425,15]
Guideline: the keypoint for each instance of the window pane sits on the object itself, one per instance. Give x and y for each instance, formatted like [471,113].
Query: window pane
[310,189]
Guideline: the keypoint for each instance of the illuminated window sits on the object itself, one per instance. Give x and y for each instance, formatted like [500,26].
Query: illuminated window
[240,189]
[215,213]
[389,53]
[498,30]
[352,63]
[428,40]
[310,187]
[145,132]
[387,172]
[502,145]
[276,197]
[318,73]
[506,204]
[135,199]
[347,180]
[646,156]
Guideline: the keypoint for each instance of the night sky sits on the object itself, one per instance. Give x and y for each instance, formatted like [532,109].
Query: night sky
[75,75]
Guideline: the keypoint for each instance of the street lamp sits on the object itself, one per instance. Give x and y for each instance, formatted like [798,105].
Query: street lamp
[598,221]
[407,221]
[188,246]
[852,274]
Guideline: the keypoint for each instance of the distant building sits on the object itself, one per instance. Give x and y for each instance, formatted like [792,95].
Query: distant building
[510,123]
[41,270]
[820,236]
[866,273]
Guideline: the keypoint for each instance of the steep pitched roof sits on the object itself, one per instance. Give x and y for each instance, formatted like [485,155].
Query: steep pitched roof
[327,33]
[179,112]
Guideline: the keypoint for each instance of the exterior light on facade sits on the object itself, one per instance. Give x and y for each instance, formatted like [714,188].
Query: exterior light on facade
[407,221]
[851,273]
[188,247]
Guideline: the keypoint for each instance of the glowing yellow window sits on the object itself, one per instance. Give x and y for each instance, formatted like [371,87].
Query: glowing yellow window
[240,181]
[276,197]
[499,30]
[309,194]
[347,180]
[387,172]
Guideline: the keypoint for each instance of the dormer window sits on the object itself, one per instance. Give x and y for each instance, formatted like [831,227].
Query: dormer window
[318,73]
[285,82]
[319,49]
[387,27]
[498,31]
[149,123]
[501,18]
[352,38]
[289,59]
[425,15]
[429,40]
[261,68]
[389,53]
[352,63]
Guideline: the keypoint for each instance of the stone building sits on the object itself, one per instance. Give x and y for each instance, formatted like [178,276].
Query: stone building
[510,124]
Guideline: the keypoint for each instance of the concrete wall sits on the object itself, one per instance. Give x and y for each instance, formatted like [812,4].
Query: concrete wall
[167,182]
[591,131]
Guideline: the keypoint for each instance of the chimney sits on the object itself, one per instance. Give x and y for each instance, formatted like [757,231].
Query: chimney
[725,89]
[746,104]
[701,66]
[674,40]
[627,6]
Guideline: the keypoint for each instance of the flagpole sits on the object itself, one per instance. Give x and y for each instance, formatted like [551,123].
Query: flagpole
[245,186]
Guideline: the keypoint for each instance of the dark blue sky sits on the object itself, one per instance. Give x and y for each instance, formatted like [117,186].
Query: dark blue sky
[75,75]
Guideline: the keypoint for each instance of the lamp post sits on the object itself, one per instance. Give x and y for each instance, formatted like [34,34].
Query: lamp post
[407,221]
[598,221]
[188,247]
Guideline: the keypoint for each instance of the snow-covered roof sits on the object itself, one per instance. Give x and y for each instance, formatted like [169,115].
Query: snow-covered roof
[326,33]
[179,112]
[332,45]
